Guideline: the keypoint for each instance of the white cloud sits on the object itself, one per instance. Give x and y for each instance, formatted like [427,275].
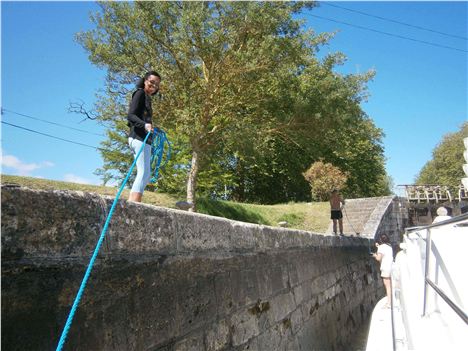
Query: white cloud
[21,168]
[69,177]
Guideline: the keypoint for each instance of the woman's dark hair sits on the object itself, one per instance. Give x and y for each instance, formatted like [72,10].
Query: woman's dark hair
[141,82]
[384,239]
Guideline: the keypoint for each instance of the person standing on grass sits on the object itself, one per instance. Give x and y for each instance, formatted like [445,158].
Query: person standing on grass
[336,205]
[140,121]
[385,256]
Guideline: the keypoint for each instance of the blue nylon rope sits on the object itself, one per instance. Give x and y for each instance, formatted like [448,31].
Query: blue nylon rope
[157,153]
[66,328]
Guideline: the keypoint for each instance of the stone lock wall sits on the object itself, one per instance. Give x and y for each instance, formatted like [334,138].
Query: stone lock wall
[171,280]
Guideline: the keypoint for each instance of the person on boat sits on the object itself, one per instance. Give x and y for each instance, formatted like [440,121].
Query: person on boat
[336,205]
[442,215]
[384,255]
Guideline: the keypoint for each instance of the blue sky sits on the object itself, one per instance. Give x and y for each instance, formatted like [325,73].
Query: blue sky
[419,93]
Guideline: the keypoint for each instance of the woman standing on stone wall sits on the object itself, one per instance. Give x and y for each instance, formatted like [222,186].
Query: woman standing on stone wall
[385,256]
[140,121]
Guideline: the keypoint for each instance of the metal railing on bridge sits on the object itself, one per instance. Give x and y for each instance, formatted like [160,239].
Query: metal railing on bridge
[432,193]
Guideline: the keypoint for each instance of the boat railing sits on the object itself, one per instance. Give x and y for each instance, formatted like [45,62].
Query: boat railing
[427,281]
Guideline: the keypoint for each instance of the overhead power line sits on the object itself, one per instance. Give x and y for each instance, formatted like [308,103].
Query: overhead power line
[394,21]
[50,122]
[52,136]
[389,34]
[58,138]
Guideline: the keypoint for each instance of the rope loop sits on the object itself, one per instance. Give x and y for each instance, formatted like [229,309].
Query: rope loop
[158,152]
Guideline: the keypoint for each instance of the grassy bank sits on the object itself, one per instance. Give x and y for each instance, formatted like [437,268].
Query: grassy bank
[306,216]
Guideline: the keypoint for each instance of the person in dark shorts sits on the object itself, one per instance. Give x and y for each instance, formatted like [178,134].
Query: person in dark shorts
[336,205]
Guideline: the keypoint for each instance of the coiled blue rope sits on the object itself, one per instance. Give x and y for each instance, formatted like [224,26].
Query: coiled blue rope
[157,152]
[66,328]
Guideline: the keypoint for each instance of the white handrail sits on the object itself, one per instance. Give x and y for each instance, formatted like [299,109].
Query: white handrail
[427,281]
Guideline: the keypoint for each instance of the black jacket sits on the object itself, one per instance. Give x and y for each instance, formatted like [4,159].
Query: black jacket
[140,112]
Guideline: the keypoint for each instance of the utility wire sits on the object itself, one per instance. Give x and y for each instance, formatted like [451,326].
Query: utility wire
[54,123]
[54,137]
[394,21]
[62,139]
[390,34]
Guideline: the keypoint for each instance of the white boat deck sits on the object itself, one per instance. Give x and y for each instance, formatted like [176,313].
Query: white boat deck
[440,328]
[380,330]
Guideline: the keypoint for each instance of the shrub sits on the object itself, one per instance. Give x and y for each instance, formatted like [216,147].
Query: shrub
[323,178]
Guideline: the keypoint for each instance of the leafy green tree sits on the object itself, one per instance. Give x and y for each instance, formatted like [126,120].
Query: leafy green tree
[220,63]
[245,101]
[343,134]
[446,165]
[320,118]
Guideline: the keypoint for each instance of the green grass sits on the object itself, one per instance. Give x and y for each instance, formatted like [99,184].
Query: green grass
[306,216]
[158,199]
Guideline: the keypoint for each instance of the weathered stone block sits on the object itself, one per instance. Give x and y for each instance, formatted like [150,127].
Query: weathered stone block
[217,337]
[296,320]
[281,306]
[273,338]
[244,326]
[191,343]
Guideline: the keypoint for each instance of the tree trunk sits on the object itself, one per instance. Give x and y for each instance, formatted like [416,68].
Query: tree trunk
[239,193]
[192,181]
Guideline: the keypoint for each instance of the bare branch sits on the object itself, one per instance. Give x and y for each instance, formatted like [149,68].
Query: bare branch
[78,107]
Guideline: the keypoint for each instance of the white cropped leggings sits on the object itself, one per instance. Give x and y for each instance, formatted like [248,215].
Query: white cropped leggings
[143,165]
